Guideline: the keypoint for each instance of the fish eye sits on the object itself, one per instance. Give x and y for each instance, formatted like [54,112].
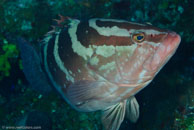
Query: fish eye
[138,37]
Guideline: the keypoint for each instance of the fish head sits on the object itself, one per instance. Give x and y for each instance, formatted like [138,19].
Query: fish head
[125,52]
[149,50]
[160,47]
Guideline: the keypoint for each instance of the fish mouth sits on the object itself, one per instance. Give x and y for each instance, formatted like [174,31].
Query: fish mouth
[164,52]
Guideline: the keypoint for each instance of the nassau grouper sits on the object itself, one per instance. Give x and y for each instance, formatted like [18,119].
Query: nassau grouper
[99,64]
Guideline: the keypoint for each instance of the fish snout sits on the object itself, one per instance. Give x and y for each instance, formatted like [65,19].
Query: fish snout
[164,52]
[171,42]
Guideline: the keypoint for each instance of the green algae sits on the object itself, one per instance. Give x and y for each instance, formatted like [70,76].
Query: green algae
[8,52]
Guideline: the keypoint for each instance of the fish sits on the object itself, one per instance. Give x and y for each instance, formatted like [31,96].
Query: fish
[99,64]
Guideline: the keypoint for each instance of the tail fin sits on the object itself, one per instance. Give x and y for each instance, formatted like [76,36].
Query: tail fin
[32,67]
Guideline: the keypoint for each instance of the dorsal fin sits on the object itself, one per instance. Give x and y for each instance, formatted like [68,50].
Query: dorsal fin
[62,22]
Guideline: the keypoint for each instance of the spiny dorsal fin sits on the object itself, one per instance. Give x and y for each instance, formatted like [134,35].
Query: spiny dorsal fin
[62,22]
[113,116]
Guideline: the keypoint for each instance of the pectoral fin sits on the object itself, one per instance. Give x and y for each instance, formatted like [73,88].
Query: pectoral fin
[132,110]
[113,116]
[88,95]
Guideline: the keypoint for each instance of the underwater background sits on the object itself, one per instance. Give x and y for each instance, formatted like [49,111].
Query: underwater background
[166,104]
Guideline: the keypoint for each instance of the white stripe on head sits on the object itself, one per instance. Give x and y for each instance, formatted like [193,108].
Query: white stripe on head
[59,61]
[116,31]
[107,31]
[76,45]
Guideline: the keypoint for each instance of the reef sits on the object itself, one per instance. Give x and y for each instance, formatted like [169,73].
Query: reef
[167,103]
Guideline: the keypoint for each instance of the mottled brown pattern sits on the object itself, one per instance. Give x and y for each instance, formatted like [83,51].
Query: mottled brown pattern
[89,36]
[71,60]
[104,61]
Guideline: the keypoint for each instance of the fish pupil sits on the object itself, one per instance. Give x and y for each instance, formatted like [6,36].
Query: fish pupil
[139,37]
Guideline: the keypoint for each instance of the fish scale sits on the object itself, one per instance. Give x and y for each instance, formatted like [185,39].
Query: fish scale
[100,64]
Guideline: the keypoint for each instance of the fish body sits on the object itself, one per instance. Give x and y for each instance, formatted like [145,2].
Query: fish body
[100,64]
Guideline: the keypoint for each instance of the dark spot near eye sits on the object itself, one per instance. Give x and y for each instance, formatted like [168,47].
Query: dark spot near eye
[152,35]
